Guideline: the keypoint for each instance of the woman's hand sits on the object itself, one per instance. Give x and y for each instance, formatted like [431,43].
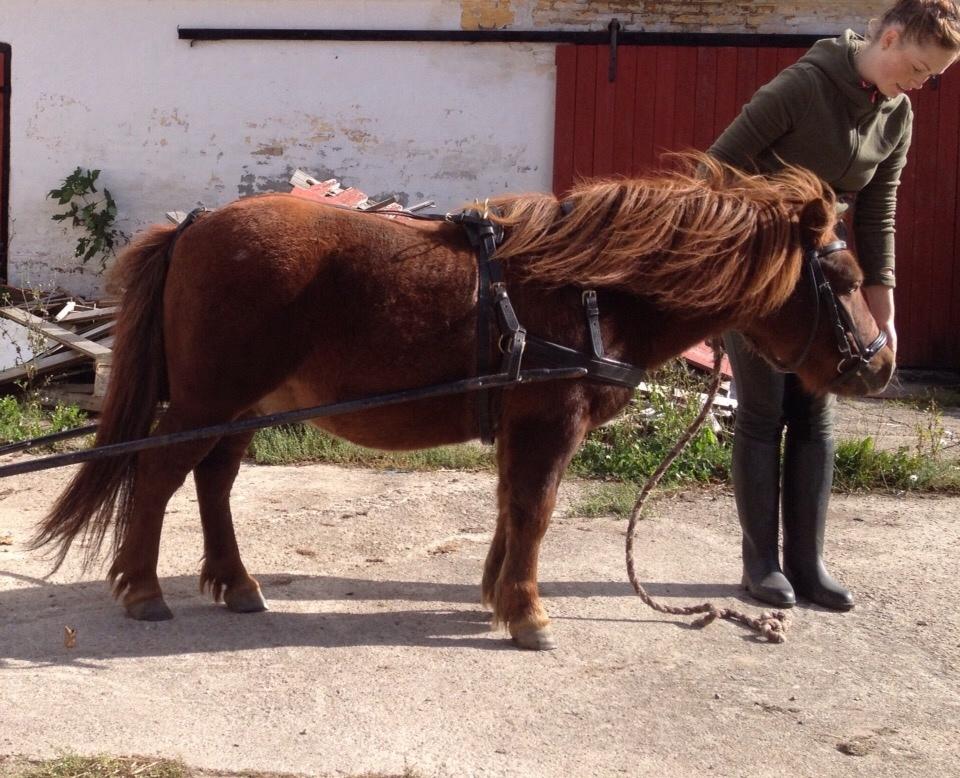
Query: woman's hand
[880,300]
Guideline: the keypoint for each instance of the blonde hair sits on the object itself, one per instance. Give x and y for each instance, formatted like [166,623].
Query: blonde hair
[922,22]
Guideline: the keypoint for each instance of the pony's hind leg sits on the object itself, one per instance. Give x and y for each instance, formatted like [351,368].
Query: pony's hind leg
[532,456]
[223,572]
[159,473]
[497,550]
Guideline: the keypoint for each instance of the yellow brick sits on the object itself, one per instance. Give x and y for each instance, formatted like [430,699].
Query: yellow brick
[486,14]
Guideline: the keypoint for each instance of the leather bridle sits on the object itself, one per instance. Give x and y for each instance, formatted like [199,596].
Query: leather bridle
[854,355]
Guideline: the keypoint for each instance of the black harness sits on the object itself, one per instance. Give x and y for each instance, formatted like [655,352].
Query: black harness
[515,344]
[854,355]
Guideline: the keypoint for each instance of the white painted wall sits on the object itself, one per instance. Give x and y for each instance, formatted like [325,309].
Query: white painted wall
[107,84]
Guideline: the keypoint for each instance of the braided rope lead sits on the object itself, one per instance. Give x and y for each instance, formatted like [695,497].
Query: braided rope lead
[770,624]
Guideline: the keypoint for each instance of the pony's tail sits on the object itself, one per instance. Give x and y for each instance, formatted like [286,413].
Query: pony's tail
[101,492]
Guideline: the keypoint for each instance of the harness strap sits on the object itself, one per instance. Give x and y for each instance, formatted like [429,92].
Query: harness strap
[189,219]
[593,322]
[484,236]
[515,344]
[483,339]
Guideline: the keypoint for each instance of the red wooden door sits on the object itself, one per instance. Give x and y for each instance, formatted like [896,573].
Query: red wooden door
[668,98]
[4,155]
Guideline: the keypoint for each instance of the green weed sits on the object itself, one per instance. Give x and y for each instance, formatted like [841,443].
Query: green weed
[861,466]
[24,418]
[633,446]
[303,443]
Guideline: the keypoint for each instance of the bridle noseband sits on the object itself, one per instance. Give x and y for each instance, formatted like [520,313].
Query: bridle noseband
[852,360]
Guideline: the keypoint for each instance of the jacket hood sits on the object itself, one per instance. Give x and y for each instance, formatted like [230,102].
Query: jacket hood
[835,57]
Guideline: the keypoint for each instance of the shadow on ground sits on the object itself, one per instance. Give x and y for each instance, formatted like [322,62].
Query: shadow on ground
[32,617]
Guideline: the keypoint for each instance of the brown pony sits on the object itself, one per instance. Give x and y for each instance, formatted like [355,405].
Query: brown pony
[275,303]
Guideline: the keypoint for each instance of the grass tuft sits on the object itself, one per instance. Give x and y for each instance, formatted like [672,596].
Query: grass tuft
[72,766]
[861,466]
[608,498]
[21,419]
[102,766]
[303,443]
[632,447]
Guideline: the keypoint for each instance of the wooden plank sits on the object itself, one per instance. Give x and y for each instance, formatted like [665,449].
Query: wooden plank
[726,107]
[664,103]
[951,86]
[787,56]
[685,106]
[94,333]
[701,355]
[43,365]
[52,396]
[746,75]
[767,66]
[927,166]
[943,338]
[643,155]
[55,332]
[624,111]
[604,108]
[706,98]
[585,111]
[83,317]
[906,267]
[563,132]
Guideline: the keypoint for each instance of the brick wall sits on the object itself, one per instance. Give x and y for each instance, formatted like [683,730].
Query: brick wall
[798,16]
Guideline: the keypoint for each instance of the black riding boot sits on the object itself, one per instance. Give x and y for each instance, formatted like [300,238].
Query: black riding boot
[807,478]
[756,485]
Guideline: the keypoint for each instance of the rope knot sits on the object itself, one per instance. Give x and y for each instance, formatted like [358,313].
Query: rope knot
[707,618]
[773,626]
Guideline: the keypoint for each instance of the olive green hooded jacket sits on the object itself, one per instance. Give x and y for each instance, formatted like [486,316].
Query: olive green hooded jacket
[819,115]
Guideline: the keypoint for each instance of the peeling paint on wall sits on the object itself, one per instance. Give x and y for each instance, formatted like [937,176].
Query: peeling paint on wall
[268,151]
[170,119]
[66,111]
[486,14]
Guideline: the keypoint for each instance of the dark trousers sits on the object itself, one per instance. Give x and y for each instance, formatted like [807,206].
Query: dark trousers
[769,401]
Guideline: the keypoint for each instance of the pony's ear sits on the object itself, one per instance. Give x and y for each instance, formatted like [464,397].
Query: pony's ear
[816,217]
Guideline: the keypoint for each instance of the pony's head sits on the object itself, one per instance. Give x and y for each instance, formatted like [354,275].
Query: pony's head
[824,332]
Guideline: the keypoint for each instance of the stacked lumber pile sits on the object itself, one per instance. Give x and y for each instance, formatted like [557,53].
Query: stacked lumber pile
[68,344]
[332,192]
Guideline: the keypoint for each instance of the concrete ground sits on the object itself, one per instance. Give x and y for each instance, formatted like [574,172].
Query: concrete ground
[377,658]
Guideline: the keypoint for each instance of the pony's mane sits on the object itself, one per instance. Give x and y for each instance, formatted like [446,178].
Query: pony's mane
[703,238]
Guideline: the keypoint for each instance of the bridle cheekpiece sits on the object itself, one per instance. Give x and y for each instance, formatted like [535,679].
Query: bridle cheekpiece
[852,359]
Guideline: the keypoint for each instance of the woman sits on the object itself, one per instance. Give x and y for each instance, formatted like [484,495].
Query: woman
[841,111]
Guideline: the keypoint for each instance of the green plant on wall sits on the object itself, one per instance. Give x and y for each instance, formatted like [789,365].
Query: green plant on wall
[94,215]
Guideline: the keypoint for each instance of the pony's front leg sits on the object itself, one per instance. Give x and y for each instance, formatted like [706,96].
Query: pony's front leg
[223,571]
[532,455]
[159,473]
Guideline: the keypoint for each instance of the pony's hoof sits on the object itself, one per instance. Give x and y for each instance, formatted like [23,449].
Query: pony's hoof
[154,609]
[246,601]
[534,638]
